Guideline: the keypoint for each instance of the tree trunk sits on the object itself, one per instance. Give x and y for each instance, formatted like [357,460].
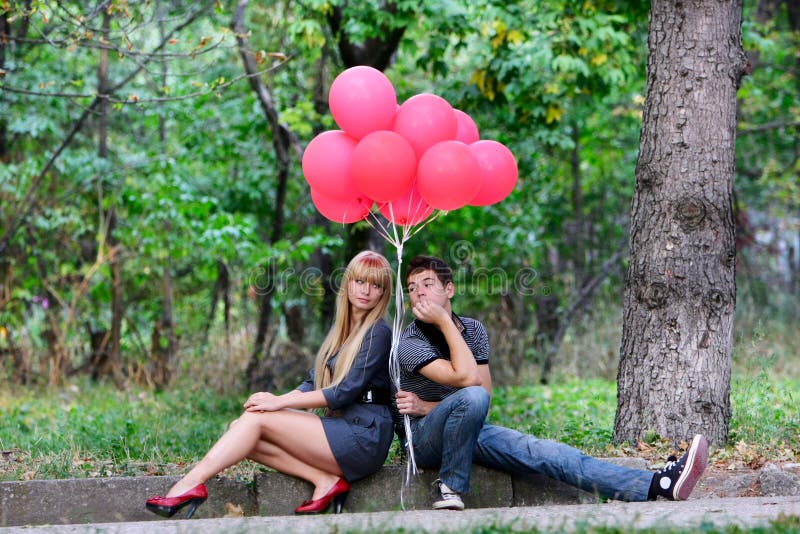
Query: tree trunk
[222,290]
[547,327]
[680,294]
[282,139]
[103,92]
[115,352]
[164,342]
[5,31]
[578,236]
[375,52]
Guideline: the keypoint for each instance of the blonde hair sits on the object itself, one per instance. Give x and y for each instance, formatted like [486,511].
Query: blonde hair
[372,268]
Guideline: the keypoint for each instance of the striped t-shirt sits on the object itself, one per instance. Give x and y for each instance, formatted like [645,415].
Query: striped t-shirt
[415,351]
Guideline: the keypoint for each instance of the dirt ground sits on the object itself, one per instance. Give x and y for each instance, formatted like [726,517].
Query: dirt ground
[732,480]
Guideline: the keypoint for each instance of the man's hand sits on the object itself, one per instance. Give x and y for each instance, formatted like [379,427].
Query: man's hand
[409,404]
[263,402]
[429,312]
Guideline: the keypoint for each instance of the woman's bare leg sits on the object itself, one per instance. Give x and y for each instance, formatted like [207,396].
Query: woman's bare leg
[253,433]
[271,455]
[231,448]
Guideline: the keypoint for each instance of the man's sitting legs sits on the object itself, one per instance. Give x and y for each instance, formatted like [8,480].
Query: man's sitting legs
[446,437]
[514,452]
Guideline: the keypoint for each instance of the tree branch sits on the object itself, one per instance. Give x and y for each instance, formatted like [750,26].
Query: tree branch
[136,100]
[774,125]
[282,137]
[25,206]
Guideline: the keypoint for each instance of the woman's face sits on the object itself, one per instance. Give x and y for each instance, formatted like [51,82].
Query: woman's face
[363,295]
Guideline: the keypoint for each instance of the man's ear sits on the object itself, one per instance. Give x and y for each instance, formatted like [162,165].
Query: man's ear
[450,289]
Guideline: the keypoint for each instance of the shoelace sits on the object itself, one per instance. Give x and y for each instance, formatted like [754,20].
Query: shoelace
[671,461]
[448,494]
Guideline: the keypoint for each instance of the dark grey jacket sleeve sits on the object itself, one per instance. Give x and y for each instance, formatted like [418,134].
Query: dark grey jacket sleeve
[372,358]
[308,383]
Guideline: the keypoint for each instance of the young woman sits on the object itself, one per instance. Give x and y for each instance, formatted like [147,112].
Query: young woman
[350,380]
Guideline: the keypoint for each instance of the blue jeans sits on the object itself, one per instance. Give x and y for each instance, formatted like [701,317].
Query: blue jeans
[514,452]
[459,421]
[446,437]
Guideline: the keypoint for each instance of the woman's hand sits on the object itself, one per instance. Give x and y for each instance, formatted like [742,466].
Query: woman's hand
[263,402]
[409,404]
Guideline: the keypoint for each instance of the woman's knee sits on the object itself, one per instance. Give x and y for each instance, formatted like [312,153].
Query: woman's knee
[255,418]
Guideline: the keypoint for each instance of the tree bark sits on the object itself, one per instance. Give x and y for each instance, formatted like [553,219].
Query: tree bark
[115,352]
[578,237]
[163,353]
[680,293]
[222,290]
[282,141]
[5,31]
[375,52]
[103,92]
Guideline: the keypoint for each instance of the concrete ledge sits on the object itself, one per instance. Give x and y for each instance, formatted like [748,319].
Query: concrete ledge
[107,500]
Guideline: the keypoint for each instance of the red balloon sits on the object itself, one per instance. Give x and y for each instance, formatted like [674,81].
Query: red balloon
[467,130]
[341,211]
[425,120]
[327,164]
[383,165]
[448,175]
[499,170]
[362,100]
[407,210]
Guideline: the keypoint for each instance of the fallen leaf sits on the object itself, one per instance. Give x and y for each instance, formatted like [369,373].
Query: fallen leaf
[233,510]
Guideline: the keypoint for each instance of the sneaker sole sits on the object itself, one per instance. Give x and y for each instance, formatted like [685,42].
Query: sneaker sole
[448,506]
[695,465]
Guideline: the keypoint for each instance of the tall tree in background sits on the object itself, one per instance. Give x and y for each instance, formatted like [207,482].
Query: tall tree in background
[680,295]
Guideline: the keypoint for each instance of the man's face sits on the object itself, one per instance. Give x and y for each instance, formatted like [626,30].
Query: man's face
[425,286]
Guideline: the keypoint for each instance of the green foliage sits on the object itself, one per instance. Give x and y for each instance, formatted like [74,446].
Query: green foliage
[191,170]
[84,429]
[575,412]
[85,422]
[764,410]
[769,112]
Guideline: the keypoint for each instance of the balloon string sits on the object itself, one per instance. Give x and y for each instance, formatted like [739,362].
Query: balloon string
[394,360]
[389,232]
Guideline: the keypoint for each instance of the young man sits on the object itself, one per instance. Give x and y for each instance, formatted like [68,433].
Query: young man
[446,388]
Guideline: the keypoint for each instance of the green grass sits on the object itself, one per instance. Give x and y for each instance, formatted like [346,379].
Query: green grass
[765,421]
[89,430]
[577,412]
[95,430]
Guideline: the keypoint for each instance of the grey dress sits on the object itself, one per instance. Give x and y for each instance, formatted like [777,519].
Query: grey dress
[360,434]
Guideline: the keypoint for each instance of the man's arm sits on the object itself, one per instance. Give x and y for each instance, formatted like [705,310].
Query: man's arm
[410,404]
[486,377]
[461,370]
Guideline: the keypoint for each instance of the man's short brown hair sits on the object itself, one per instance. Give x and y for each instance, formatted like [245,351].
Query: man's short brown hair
[430,263]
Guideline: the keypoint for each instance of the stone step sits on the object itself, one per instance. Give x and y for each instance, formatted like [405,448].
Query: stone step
[121,499]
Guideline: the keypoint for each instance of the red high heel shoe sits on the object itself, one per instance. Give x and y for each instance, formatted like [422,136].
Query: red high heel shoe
[337,494]
[169,506]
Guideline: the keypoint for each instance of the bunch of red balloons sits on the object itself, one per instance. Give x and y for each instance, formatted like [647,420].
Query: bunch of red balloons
[408,159]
